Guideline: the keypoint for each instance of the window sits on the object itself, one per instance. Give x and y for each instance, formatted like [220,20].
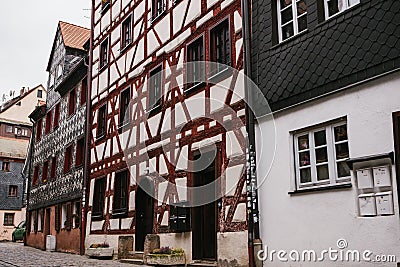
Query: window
[57,115]
[80,150]
[5,166]
[105,4]
[101,121]
[76,215]
[220,47]
[292,18]
[59,71]
[32,221]
[68,158]
[333,7]
[158,8]
[24,132]
[40,93]
[39,130]
[120,199]
[45,171]
[40,220]
[48,122]
[12,190]
[8,219]
[53,168]
[124,107]
[321,156]
[104,53]
[155,88]
[98,198]
[9,129]
[35,175]
[126,34]
[83,91]
[72,102]
[195,58]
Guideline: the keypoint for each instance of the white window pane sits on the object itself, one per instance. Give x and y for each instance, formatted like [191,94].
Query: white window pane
[304,158]
[321,155]
[322,172]
[342,151]
[342,169]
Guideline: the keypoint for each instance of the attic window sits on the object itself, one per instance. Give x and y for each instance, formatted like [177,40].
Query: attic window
[40,93]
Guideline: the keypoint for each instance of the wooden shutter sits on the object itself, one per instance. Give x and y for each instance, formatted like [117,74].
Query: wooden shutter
[57,218]
[68,224]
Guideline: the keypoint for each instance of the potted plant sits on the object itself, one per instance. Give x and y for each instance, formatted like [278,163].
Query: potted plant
[166,256]
[100,250]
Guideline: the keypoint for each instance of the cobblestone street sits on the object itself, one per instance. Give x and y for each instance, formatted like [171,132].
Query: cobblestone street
[16,254]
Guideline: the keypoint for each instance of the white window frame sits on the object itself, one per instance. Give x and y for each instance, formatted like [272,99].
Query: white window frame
[331,151]
[294,19]
[130,20]
[346,5]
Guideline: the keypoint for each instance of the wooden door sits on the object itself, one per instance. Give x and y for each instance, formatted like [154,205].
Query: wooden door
[204,218]
[144,215]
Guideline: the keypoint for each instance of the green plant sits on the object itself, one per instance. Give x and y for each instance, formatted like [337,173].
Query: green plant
[100,245]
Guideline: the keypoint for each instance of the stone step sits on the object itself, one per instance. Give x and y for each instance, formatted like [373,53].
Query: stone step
[138,255]
[132,261]
[203,264]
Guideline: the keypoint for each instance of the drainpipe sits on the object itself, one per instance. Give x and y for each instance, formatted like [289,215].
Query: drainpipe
[86,167]
[31,146]
[254,241]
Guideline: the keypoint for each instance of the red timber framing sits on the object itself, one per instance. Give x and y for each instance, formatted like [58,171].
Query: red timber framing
[156,135]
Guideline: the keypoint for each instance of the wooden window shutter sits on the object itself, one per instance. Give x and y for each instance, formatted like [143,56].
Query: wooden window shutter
[69,217]
[35,222]
[28,222]
[57,218]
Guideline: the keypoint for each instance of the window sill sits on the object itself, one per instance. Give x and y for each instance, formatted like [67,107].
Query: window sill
[103,67]
[154,110]
[119,214]
[97,217]
[321,188]
[289,39]
[157,17]
[123,127]
[105,8]
[100,137]
[220,76]
[194,88]
[123,49]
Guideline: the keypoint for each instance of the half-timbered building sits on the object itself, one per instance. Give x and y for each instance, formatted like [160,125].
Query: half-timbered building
[152,118]
[55,186]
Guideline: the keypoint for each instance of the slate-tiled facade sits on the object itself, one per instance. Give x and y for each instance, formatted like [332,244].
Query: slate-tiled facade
[13,177]
[355,45]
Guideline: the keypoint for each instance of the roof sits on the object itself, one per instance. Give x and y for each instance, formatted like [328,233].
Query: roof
[15,100]
[13,148]
[14,122]
[74,36]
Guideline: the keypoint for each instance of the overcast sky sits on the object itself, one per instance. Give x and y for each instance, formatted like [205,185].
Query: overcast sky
[27,30]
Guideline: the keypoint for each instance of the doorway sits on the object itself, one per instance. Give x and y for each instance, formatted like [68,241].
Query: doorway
[144,212]
[46,230]
[204,223]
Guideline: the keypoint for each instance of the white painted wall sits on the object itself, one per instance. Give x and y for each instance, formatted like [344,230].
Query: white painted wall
[317,220]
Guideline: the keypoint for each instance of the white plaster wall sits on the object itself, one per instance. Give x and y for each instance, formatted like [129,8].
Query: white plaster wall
[232,249]
[317,220]
[178,240]
[6,231]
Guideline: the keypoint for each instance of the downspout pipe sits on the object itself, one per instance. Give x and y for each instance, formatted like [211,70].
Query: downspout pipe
[28,189]
[254,242]
[86,170]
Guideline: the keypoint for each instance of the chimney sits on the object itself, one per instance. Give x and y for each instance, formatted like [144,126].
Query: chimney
[22,91]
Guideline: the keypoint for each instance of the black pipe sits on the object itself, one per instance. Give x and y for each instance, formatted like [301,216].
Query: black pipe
[86,166]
